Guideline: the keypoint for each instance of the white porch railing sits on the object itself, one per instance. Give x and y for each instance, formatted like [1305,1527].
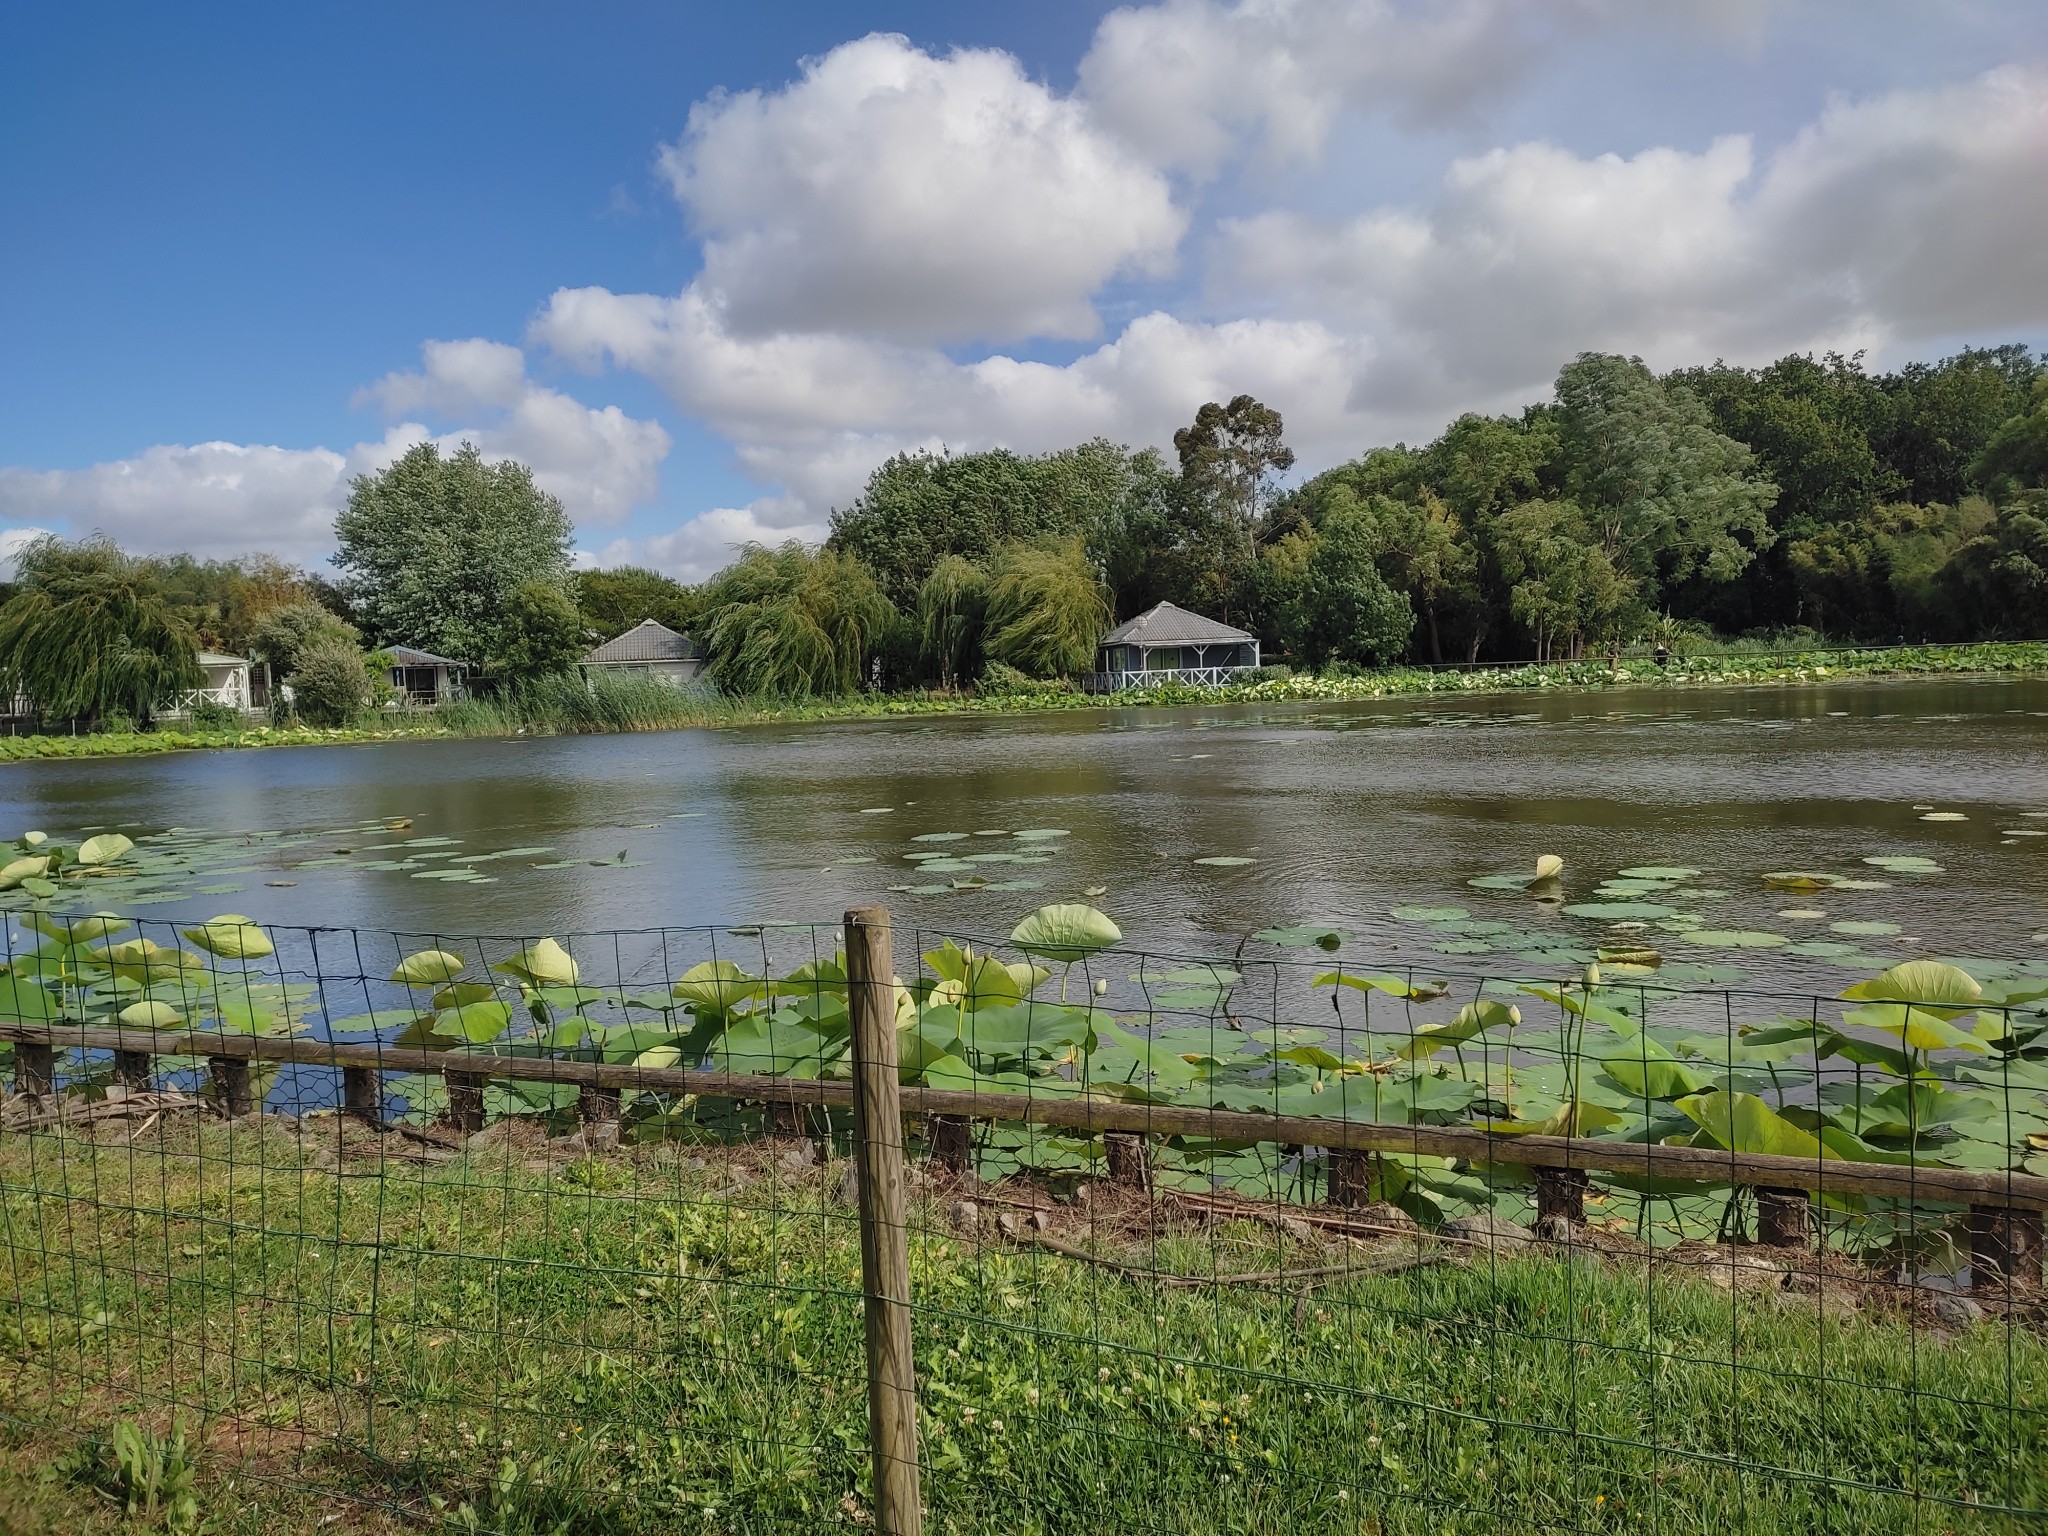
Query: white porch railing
[1193,677]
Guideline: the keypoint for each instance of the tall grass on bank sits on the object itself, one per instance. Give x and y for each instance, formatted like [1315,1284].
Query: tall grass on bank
[572,703]
[668,1339]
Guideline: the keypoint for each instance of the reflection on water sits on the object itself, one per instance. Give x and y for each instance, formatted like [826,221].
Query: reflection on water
[1339,812]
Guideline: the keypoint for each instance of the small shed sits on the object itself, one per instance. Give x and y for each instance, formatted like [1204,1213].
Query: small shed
[227,683]
[653,650]
[1168,644]
[423,679]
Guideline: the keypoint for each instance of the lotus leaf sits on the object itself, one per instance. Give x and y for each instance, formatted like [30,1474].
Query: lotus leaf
[461,994]
[76,930]
[1430,914]
[1065,933]
[1471,1020]
[478,1023]
[1918,1028]
[232,937]
[1649,1071]
[1736,938]
[36,885]
[1575,1117]
[1659,872]
[1921,982]
[1619,909]
[429,968]
[146,962]
[1226,860]
[545,964]
[1742,1122]
[103,849]
[19,870]
[1905,864]
[718,987]
[1380,981]
[151,1015]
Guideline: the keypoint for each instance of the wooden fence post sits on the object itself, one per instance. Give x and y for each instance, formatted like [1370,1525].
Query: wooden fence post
[362,1094]
[884,1223]
[950,1141]
[1347,1178]
[1784,1217]
[2005,1247]
[465,1100]
[1129,1158]
[1561,1195]
[232,1089]
[132,1071]
[35,1070]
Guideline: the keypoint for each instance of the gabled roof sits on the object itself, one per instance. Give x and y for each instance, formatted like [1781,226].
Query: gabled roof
[221,659]
[408,656]
[1165,624]
[646,641]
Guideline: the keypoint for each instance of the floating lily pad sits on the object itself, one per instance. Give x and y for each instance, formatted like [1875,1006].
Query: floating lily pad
[1659,872]
[1863,885]
[1737,938]
[1499,882]
[1820,949]
[1619,909]
[1808,913]
[1302,935]
[1863,929]
[1463,947]
[1225,860]
[1944,816]
[1041,834]
[1430,914]
[1904,863]
[939,837]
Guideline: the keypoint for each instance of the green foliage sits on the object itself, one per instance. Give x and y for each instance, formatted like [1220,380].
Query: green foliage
[613,601]
[2016,457]
[919,508]
[1328,601]
[281,633]
[951,609]
[1045,609]
[542,633]
[436,550]
[332,681]
[88,634]
[794,622]
[154,1475]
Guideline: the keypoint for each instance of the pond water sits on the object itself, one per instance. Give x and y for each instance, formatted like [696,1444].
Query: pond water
[1326,814]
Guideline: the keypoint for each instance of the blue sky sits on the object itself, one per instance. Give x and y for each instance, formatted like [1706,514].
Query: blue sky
[705,266]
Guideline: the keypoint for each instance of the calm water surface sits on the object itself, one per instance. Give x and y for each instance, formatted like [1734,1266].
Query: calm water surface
[1343,811]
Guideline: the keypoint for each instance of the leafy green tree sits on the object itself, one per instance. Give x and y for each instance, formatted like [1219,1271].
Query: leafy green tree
[281,634]
[1046,610]
[1999,575]
[88,634]
[1230,457]
[435,550]
[792,622]
[1667,496]
[952,606]
[542,633]
[1330,602]
[1564,586]
[613,601]
[1886,577]
[1945,413]
[2016,457]
[920,507]
[332,681]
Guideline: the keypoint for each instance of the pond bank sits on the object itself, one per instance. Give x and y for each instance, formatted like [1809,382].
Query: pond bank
[2017,658]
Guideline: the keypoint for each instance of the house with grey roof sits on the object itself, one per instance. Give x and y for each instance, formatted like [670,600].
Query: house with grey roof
[653,650]
[423,680]
[1167,644]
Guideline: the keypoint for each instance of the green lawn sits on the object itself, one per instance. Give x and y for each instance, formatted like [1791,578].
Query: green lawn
[656,1342]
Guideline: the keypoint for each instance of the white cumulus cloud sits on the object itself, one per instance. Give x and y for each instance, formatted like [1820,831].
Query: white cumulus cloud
[219,500]
[708,542]
[892,193]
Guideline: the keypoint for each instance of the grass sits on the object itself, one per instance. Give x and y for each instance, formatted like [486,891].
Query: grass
[565,705]
[669,1339]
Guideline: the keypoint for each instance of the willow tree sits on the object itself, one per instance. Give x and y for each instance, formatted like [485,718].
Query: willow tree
[88,634]
[951,608]
[1046,609]
[793,621]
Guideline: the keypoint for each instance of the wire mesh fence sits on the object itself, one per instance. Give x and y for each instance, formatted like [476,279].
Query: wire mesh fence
[527,1234]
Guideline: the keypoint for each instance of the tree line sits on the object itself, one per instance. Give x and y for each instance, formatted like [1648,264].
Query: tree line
[1809,498]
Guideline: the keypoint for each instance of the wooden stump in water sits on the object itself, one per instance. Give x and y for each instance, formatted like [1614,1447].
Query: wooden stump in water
[1784,1218]
[949,1142]
[2005,1247]
[1130,1159]
[1561,1195]
[232,1089]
